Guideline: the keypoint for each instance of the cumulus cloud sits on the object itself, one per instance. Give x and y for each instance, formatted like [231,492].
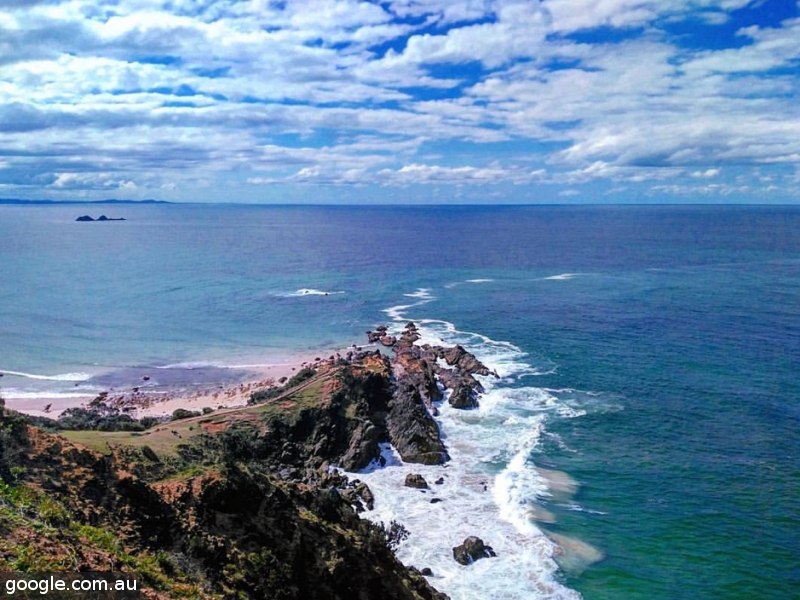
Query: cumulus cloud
[179,96]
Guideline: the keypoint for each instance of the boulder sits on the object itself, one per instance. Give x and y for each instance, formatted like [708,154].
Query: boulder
[388,340]
[457,356]
[471,550]
[363,491]
[417,481]
[463,397]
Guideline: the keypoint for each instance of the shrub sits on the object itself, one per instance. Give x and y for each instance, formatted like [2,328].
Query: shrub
[301,376]
[182,413]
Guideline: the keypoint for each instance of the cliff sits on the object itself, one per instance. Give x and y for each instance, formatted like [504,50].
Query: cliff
[240,502]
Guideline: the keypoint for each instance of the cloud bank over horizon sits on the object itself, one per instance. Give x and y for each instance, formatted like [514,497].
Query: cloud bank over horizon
[421,101]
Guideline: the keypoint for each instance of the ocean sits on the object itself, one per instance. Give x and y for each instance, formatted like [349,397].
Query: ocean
[642,440]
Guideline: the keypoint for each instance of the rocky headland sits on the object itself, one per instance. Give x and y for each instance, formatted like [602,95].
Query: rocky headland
[242,502]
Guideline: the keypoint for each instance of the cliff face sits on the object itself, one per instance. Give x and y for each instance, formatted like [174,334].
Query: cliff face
[367,406]
[239,502]
[250,510]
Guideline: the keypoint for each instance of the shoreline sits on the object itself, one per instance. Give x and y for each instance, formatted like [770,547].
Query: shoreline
[140,393]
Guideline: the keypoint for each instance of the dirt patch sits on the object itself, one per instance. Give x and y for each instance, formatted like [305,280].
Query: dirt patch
[210,427]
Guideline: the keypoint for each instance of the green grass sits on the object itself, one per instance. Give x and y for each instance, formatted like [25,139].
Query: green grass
[165,438]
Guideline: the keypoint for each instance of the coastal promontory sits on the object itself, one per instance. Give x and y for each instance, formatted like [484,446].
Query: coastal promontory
[238,502]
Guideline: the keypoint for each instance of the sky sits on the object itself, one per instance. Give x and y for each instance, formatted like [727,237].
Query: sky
[402,101]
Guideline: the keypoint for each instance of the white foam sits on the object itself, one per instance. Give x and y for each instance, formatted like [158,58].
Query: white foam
[201,364]
[12,394]
[307,292]
[519,485]
[561,277]
[61,377]
[192,365]
[313,292]
[578,508]
[421,293]
[524,566]
[395,313]
[479,280]
[491,487]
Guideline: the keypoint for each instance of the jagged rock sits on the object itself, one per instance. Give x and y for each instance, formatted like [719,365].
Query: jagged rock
[373,336]
[415,480]
[457,356]
[363,491]
[436,500]
[364,447]
[422,377]
[412,430]
[439,481]
[463,397]
[471,550]
[427,572]
[410,333]
[388,340]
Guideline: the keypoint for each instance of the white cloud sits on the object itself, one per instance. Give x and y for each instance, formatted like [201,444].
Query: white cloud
[573,15]
[707,174]
[518,31]
[166,95]
[466,175]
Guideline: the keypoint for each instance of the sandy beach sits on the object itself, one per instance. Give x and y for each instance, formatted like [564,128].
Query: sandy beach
[138,401]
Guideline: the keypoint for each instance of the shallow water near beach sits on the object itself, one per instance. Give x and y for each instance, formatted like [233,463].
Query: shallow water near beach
[640,443]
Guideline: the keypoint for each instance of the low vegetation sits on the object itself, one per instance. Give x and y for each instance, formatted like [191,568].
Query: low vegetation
[298,378]
[221,505]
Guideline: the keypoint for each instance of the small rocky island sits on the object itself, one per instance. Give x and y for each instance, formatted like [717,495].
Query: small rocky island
[239,502]
[88,219]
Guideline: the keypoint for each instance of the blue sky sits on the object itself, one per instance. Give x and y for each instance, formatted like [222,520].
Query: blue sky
[403,101]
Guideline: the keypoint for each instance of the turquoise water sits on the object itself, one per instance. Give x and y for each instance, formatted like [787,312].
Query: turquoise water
[648,352]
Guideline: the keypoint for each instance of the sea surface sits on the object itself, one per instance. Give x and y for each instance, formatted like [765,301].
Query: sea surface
[642,441]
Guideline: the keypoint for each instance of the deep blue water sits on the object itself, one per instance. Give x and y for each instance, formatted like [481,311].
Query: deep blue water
[673,333]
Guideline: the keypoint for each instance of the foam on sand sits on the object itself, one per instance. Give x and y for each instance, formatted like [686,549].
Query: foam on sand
[61,377]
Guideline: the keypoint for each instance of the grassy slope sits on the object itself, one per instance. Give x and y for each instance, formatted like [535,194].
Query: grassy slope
[165,438]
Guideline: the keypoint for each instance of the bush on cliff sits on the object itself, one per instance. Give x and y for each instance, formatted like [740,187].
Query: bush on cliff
[301,376]
[182,413]
[98,419]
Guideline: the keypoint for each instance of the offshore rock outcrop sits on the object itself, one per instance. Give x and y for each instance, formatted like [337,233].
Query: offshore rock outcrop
[419,366]
[472,549]
[101,218]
